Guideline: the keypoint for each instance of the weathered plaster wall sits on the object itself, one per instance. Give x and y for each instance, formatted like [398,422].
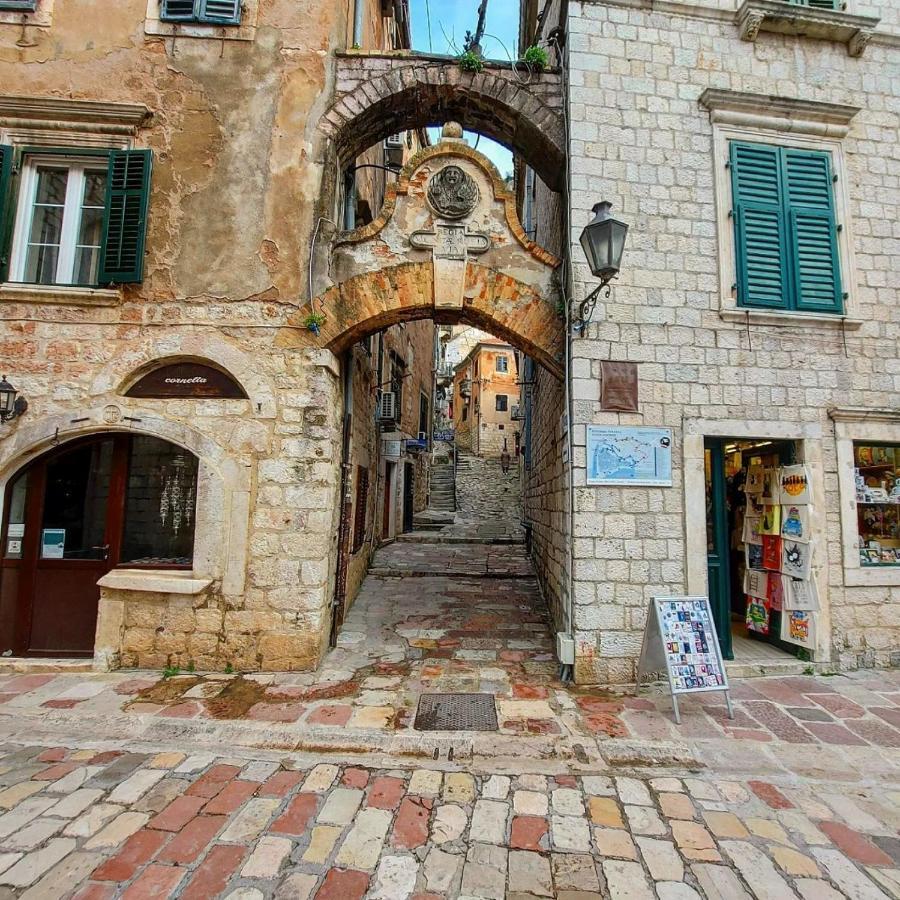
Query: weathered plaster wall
[641,139]
[237,173]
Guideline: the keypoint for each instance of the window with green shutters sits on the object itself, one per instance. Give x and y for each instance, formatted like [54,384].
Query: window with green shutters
[785,229]
[18,5]
[820,4]
[209,12]
[73,217]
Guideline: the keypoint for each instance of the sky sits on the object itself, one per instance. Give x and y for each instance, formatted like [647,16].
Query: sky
[450,19]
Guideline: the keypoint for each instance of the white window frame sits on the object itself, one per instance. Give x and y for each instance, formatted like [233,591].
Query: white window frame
[806,125]
[502,357]
[77,167]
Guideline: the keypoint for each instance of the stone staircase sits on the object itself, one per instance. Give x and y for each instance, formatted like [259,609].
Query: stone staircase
[443,488]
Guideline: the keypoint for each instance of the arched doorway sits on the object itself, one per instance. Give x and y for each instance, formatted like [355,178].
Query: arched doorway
[75,513]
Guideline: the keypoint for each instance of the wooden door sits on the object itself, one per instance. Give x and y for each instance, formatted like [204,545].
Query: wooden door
[388,501]
[717,550]
[409,495]
[61,538]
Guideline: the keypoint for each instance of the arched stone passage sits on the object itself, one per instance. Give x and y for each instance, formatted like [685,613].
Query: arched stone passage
[447,245]
[380,95]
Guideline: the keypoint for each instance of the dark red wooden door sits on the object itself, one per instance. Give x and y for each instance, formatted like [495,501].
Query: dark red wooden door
[61,534]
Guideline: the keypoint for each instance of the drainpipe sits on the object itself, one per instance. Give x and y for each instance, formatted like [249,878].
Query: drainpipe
[358,9]
[339,601]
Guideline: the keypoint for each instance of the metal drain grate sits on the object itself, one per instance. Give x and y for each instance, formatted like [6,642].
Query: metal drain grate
[456,712]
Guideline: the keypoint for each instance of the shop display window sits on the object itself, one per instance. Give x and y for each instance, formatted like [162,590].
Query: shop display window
[877,477]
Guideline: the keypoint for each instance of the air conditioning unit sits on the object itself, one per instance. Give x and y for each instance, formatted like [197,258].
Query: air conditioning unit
[465,387]
[516,412]
[387,408]
[393,148]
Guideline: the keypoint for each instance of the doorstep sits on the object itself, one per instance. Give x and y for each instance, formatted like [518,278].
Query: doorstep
[38,665]
[753,668]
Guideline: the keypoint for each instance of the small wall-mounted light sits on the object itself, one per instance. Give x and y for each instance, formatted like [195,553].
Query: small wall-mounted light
[11,405]
[603,242]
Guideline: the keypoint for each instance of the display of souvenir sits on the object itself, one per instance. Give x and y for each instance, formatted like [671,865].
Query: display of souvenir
[800,595]
[754,482]
[771,520]
[881,455]
[775,591]
[753,556]
[757,616]
[796,559]
[771,552]
[795,523]
[864,456]
[770,490]
[751,533]
[794,486]
[756,583]
[877,494]
[798,627]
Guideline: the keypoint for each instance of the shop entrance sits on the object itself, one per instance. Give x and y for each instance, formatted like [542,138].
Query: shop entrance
[74,514]
[727,462]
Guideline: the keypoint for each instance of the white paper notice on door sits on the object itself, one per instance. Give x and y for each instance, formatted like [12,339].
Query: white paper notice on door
[53,543]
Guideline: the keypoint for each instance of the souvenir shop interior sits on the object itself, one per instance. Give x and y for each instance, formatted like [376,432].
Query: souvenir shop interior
[760,555]
[877,472]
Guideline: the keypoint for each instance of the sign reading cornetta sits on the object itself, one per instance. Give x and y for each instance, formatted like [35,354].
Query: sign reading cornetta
[187,380]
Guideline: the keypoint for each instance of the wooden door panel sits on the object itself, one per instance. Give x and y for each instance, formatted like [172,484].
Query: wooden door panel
[64,618]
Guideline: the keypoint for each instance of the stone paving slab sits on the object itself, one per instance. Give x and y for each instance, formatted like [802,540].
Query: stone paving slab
[283,826]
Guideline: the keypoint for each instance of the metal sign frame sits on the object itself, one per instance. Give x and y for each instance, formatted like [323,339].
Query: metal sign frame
[655,655]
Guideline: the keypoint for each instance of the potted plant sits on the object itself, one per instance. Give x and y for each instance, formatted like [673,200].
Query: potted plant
[314,322]
[536,57]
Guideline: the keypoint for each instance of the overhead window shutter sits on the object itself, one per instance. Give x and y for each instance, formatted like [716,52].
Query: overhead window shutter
[6,158]
[125,221]
[813,231]
[760,227]
[18,5]
[222,12]
[178,10]
[826,4]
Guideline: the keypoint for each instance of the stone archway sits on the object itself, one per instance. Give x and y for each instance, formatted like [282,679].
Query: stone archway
[384,94]
[447,245]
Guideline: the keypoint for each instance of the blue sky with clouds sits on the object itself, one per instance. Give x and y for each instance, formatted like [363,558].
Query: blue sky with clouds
[449,21]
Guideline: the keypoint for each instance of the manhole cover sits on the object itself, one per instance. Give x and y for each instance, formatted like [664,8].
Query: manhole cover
[456,712]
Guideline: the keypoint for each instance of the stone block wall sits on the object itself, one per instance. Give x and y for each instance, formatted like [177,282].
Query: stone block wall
[641,139]
[484,493]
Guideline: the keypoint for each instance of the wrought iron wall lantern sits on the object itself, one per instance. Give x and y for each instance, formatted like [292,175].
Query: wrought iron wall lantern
[603,241]
[11,405]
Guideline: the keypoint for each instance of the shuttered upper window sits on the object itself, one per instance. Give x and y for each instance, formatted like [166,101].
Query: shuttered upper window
[78,219]
[20,5]
[819,4]
[785,229]
[210,12]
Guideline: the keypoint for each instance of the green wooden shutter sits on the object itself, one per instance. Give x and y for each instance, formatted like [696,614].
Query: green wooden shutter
[819,4]
[18,5]
[220,12]
[178,11]
[809,197]
[125,219]
[760,227]
[6,208]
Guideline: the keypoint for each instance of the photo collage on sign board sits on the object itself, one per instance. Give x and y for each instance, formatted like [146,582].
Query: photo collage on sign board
[778,550]
[690,645]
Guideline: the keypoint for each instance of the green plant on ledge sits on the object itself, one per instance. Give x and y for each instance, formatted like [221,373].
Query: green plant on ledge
[471,62]
[314,322]
[536,57]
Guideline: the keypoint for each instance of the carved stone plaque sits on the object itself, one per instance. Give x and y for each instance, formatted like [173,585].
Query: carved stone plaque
[618,386]
[452,193]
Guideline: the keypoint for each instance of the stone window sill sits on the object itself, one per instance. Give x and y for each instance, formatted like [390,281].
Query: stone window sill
[246,31]
[874,576]
[789,319]
[781,17]
[61,294]
[40,18]
[155,581]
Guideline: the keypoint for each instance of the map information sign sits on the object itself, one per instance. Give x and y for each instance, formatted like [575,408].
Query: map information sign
[680,637]
[629,455]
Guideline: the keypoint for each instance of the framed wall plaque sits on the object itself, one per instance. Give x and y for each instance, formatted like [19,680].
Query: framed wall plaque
[186,380]
[618,386]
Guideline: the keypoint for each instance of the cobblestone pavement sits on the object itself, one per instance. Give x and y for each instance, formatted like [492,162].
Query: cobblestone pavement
[90,823]
[327,790]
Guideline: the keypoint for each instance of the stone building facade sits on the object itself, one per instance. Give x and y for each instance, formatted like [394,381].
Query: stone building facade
[659,102]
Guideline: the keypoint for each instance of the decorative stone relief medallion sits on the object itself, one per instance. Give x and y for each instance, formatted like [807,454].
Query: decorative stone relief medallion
[112,414]
[452,193]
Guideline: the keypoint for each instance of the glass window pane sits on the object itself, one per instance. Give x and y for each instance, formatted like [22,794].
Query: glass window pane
[91,227]
[73,525]
[51,187]
[877,475]
[46,225]
[40,264]
[160,504]
[95,189]
[87,265]
[15,525]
